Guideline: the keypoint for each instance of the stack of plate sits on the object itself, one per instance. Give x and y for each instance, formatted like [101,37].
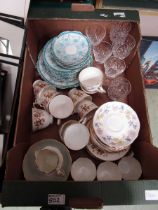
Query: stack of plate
[114,128]
[63,57]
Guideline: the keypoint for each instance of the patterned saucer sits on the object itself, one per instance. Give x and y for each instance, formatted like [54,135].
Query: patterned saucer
[55,66]
[116,124]
[105,155]
[70,47]
[47,76]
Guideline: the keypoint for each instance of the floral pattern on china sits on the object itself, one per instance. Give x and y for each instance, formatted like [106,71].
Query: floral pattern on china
[71,47]
[116,124]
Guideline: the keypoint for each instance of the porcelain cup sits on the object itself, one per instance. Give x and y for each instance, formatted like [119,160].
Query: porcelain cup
[45,96]
[130,168]
[77,96]
[83,169]
[49,160]
[91,80]
[38,85]
[86,109]
[40,119]
[74,135]
[61,107]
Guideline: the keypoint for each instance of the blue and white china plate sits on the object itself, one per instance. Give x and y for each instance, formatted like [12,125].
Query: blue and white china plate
[54,65]
[70,47]
[47,76]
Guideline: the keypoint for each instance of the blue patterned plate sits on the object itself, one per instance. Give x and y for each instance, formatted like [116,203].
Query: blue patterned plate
[54,66]
[47,76]
[70,47]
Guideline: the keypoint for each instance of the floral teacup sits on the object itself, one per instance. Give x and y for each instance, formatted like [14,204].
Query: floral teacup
[38,85]
[77,96]
[86,109]
[40,119]
[45,96]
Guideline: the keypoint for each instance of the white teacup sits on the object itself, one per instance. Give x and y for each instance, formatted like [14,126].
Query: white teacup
[40,119]
[74,135]
[91,80]
[49,160]
[83,169]
[130,168]
[38,85]
[108,171]
[61,107]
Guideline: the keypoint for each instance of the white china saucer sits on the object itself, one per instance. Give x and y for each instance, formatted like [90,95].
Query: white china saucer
[116,124]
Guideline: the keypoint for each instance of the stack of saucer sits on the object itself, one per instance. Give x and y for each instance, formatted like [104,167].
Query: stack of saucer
[63,57]
[114,128]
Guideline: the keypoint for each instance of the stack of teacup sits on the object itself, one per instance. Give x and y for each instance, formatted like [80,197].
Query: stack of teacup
[63,57]
[74,134]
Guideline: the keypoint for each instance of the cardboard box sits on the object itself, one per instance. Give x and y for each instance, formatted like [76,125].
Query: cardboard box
[41,26]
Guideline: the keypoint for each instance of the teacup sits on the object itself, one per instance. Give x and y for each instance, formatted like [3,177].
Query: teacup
[91,80]
[77,96]
[40,119]
[130,168]
[83,169]
[45,96]
[49,160]
[74,135]
[38,85]
[108,171]
[61,106]
[86,109]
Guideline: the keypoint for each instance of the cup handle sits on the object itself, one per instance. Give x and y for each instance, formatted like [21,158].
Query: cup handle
[36,105]
[101,90]
[83,120]
[58,121]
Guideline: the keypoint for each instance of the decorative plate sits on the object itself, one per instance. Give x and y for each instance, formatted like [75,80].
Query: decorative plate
[30,169]
[54,65]
[105,155]
[47,76]
[70,47]
[116,124]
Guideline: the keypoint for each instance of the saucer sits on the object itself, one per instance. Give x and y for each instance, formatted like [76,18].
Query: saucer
[55,66]
[116,124]
[70,47]
[32,172]
[105,155]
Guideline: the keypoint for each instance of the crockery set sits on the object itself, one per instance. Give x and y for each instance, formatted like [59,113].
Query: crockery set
[106,132]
